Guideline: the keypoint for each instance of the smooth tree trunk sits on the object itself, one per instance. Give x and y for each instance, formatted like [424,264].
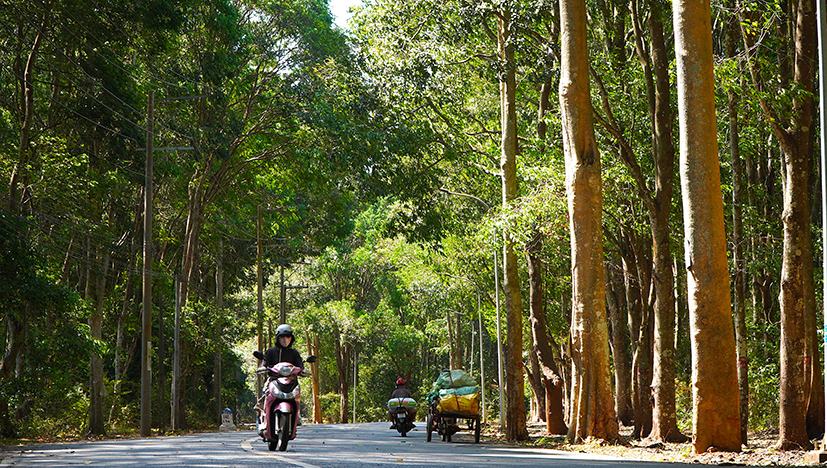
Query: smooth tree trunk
[592,412]
[641,328]
[664,411]
[313,350]
[620,358]
[515,420]
[343,361]
[716,414]
[738,287]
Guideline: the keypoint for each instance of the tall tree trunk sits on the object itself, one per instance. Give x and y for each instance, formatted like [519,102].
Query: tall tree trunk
[641,327]
[20,171]
[313,350]
[664,412]
[739,291]
[592,399]
[716,415]
[515,420]
[537,412]
[343,353]
[620,357]
[552,383]
[97,389]
[793,135]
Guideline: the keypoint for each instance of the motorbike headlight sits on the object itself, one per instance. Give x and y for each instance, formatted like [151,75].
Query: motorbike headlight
[284,371]
[289,395]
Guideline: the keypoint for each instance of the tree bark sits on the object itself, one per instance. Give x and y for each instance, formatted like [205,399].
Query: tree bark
[515,421]
[620,357]
[592,399]
[739,290]
[641,328]
[97,389]
[343,353]
[716,415]
[552,383]
[313,350]
[664,413]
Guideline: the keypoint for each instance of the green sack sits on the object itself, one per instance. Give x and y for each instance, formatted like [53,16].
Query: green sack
[454,379]
[459,391]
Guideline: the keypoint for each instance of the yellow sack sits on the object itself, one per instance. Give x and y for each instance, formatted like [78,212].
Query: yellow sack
[454,403]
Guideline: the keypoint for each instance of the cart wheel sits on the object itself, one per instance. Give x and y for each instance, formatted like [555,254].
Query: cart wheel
[429,427]
[448,435]
[477,431]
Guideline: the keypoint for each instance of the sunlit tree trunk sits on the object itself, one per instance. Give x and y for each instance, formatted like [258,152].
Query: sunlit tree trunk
[313,350]
[739,289]
[592,400]
[515,421]
[716,415]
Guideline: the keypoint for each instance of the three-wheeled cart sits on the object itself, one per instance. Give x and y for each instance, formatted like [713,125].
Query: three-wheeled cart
[447,423]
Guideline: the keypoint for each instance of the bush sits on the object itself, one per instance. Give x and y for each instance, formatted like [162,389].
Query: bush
[330,407]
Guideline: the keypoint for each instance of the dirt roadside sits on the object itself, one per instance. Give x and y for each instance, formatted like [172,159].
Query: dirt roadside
[759,451]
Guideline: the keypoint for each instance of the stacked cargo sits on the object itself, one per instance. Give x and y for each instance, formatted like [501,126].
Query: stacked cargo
[456,392]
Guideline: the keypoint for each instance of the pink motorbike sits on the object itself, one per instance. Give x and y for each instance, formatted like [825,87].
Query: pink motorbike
[277,422]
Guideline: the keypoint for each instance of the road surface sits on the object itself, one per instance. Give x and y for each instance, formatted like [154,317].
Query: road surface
[317,446]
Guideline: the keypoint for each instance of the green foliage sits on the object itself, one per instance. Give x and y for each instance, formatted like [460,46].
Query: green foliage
[330,407]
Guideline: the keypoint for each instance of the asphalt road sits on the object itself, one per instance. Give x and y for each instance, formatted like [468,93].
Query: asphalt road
[317,446]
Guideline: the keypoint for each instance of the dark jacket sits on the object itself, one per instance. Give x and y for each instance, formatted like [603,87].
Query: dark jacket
[277,354]
[401,392]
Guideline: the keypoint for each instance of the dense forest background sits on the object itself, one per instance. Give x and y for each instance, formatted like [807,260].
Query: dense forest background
[354,183]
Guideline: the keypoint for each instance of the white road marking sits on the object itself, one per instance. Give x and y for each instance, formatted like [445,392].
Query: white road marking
[248,446]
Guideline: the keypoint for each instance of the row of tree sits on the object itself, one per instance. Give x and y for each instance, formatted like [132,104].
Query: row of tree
[442,53]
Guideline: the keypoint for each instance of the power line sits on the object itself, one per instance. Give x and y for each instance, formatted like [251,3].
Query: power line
[82,89]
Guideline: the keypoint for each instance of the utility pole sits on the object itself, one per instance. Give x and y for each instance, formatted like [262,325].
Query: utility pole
[175,422]
[146,316]
[283,297]
[259,292]
[146,313]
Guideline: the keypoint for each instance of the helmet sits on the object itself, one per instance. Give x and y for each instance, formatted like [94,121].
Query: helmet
[400,381]
[284,330]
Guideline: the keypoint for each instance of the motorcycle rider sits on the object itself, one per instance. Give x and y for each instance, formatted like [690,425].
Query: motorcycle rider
[401,392]
[281,352]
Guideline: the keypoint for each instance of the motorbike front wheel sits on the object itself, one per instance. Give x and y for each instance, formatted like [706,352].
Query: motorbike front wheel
[285,431]
[429,427]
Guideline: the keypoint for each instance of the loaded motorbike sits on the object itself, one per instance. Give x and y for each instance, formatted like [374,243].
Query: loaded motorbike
[402,410]
[278,420]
